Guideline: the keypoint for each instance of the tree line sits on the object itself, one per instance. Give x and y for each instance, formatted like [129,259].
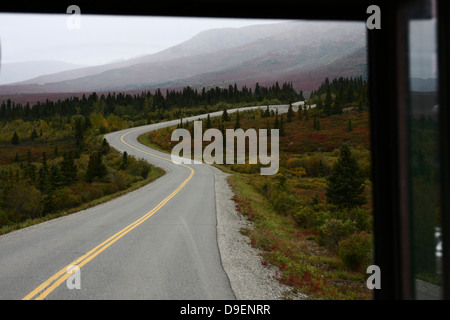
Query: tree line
[333,96]
[136,106]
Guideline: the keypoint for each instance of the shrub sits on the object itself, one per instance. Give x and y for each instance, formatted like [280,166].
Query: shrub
[138,168]
[121,179]
[282,201]
[312,217]
[360,216]
[4,218]
[24,201]
[293,163]
[305,217]
[355,250]
[65,198]
[334,230]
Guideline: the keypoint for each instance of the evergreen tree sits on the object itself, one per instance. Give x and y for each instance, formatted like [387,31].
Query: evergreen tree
[124,163]
[225,116]
[327,106]
[282,131]
[15,138]
[290,114]
[276,124]
[238,124]
[322,170]
[300,113]
[30,168]
[105,147]
[68,168]
[345,185]
[305,111]
[49,203]
[57,179]
[96,168]
[33,135]
[79,137]
[301,97]
[208,122]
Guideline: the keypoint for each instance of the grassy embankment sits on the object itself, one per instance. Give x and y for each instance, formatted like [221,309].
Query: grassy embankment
[320,250]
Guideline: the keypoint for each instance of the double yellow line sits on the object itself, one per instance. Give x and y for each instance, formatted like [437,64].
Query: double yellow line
[62,275]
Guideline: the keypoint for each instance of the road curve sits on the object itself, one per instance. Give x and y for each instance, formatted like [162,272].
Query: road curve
[158,242]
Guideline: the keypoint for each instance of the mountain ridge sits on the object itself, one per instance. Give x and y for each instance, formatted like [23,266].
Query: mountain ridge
[273,52]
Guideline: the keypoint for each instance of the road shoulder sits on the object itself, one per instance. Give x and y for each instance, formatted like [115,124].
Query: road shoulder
[249,278]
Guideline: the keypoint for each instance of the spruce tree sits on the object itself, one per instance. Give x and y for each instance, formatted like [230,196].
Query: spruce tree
[30,168]
[327,107]
[225,116]
[96,168]
[290,114]
[15,138]
[33,135]
[301,97]
[345,185]
[238,123]
[124,163]
[79,137]
[68,168]
[267,112]
[208,122]
[56,177]
[105,146]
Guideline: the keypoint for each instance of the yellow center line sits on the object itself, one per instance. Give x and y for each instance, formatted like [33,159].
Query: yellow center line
[53,282]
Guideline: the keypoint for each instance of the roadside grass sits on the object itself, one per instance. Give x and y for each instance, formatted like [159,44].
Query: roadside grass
[304,265]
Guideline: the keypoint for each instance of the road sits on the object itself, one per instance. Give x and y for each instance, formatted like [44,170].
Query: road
[158,242]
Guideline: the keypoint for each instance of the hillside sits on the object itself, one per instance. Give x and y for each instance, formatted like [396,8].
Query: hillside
[266,53]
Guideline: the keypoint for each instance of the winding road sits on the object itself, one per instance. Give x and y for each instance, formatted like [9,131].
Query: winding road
[158,242]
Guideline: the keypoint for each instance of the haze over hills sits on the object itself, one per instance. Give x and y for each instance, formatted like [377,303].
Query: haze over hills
[21,71]
[301,52]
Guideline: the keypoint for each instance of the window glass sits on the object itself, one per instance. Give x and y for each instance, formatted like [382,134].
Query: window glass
[423,146]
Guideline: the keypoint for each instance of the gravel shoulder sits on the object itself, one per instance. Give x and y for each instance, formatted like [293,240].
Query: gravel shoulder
[249,278]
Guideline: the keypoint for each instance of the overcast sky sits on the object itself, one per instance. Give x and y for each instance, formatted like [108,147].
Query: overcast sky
[100,39]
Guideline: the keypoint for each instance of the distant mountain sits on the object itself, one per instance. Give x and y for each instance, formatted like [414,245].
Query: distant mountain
[204,42]
[20,71]
[303,52]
